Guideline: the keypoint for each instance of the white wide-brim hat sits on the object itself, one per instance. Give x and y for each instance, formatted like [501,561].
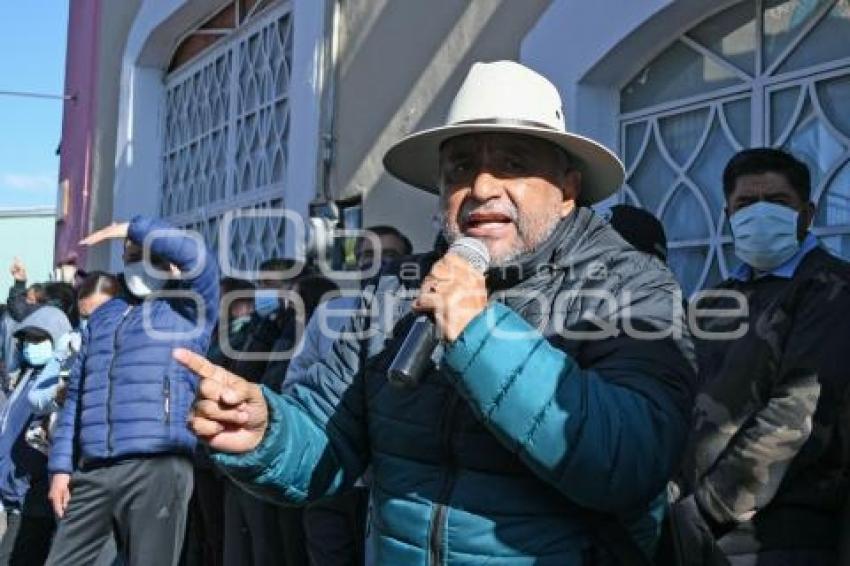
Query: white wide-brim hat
[506,97]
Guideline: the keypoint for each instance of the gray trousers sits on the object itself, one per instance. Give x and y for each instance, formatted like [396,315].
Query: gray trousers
[143,501]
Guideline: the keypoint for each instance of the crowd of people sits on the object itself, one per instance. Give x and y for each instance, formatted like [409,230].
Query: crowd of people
[576,409]
[125,478]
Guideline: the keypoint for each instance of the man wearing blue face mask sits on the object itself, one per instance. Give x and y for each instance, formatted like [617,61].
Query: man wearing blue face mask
[23,468]
[768,455]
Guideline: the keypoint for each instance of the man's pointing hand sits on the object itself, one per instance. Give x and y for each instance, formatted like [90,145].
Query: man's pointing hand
[230,413]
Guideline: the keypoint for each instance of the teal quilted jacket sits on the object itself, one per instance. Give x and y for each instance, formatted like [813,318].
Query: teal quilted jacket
[526,425]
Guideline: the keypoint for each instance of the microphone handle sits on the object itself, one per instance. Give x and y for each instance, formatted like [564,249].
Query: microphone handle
[413,357]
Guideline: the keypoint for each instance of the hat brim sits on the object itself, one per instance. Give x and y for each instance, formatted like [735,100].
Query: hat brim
[416,158]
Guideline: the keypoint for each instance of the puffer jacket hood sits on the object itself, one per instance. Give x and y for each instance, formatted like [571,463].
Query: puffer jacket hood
[47,319]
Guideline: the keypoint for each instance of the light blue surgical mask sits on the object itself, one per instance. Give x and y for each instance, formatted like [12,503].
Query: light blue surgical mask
[266,301]
[139,281]
[38,353]
[765,234]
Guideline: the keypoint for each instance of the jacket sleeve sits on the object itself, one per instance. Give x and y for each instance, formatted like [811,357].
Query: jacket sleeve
[190,255]
[308,352]
[42,395]
[756,456]
[61,458]
[316,443]
[17,304]
[607,436]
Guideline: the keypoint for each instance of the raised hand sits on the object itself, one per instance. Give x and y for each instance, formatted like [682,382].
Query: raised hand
[18,270]
[230,413]
[111,232]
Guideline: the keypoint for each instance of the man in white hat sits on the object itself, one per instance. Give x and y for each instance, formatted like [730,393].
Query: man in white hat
[557,402]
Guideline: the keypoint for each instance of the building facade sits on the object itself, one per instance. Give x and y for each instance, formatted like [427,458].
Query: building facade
[226,113]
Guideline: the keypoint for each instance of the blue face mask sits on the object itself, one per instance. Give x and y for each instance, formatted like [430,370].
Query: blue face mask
[765,235]
[38,353]
[266,301]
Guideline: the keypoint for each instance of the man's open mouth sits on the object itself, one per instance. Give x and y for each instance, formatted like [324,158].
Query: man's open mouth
[479,219]
[488,225]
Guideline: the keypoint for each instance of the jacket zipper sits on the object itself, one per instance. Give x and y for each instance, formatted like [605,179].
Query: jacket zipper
[438,514]
[109,381]
[166,391]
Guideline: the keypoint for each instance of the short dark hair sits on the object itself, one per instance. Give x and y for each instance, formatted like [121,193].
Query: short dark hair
[641,229]
[98,282]
[280,264]
[385,230]
[62,296]
[759,160]
[39,292]
[313,290]
[228,284]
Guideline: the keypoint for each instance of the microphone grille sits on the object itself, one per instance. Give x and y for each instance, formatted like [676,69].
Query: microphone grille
[472,250]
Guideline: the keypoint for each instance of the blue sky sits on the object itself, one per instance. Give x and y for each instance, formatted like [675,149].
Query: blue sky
[32,58]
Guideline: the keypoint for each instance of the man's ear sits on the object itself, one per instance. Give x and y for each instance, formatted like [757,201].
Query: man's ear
[805,219]
[572,190]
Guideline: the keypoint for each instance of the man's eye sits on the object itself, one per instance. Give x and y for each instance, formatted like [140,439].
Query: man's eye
[460,168]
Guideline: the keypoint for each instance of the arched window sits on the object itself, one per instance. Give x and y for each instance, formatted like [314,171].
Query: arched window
[761,73]
[226,128]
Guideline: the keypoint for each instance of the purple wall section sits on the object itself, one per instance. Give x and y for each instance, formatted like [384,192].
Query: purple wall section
[78,125]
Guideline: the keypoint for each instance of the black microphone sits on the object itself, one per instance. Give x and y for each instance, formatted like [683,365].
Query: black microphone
[413,357]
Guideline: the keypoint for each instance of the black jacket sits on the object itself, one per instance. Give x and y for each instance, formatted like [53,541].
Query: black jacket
[770,450]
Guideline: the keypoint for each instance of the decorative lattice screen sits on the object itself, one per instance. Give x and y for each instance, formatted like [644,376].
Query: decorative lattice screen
[761,73]
[226,133]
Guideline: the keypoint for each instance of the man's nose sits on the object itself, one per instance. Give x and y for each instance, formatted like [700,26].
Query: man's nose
[486,186]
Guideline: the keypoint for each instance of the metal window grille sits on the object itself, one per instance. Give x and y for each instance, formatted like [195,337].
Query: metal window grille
[225,137]
[761,73]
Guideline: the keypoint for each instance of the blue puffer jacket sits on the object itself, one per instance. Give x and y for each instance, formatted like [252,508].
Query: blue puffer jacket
[126,396]
[524,434]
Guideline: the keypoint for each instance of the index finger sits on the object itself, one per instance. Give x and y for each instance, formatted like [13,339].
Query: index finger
[198,364]
[450,266]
